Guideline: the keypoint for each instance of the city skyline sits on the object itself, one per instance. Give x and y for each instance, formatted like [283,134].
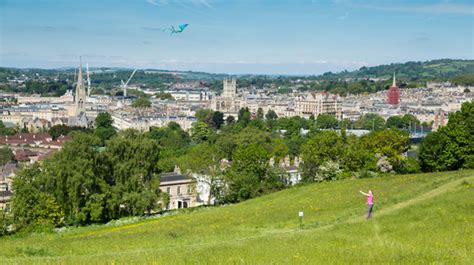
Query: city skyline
[237,37]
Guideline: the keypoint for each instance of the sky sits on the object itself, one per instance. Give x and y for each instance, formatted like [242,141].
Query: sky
[234,36]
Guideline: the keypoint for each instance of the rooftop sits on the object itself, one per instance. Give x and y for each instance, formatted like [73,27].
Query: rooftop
[172,176]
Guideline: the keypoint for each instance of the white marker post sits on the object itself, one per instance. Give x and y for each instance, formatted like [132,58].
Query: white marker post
[301,218]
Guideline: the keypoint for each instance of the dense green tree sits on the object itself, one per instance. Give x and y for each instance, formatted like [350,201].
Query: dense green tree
[432,147]
[271,115]
[228,140]
[244,117]
[217,119]
[84,184]
[62,129]
[395,122]
[271,118]
[321,147]
[260,114]
[466,80]
[131,157]
[371,121]
[356,158]
[33,205]
[205,161]
[292,125]
[250,175]
[205,115]
[452,146]
[406,122]
[230,120]
[6,221]
[141,102]
[171,136]
[104,119]
[105,133]
[390,143]
[6,155]
[326,121]
[410,122]
[104,129]
[6,131]
[279,148]
[173,141]
[200,132]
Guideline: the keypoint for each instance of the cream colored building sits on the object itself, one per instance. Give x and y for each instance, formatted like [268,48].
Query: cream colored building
[181,190]
[66,98]
[318,103]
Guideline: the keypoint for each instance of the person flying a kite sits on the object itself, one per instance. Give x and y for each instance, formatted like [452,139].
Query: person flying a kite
[173,30]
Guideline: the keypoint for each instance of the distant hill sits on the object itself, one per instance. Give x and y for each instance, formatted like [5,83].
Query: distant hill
[423,218]
[442,69]
[409,74]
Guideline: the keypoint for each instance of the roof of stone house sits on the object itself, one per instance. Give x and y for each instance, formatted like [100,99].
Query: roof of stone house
[24,154]
[172,176]
[60,140]
[20,157]
[25,138]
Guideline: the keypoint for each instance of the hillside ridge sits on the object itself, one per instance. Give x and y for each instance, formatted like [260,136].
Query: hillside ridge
[440,189]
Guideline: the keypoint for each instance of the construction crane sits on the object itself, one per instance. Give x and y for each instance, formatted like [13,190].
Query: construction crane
[125,84]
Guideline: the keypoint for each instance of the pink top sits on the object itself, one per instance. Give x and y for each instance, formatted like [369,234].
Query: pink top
[370,199]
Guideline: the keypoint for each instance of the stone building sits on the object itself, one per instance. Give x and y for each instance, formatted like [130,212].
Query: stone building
[318,103]
[228,102]
[180,188]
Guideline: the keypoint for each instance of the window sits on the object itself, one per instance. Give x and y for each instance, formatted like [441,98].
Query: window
[189,189]
[179,190]
[168,190]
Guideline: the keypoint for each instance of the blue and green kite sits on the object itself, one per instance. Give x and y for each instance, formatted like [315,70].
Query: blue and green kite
[173,30]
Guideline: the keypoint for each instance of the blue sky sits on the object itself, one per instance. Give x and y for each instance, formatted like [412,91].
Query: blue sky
[234,36]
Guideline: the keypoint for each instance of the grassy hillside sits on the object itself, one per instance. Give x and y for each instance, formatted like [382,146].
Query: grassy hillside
[423,218]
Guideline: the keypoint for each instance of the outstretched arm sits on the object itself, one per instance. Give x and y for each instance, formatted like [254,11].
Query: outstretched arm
[363,193]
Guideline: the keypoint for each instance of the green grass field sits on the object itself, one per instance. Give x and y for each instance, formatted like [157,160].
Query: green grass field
[423,218]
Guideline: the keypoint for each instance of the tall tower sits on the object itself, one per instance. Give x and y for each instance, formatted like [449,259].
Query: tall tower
[230,88]
[393,94]
[80,98]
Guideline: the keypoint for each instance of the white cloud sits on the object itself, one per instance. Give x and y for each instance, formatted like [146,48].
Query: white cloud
[186,3]
[442,8]
[201,2]
[152,2]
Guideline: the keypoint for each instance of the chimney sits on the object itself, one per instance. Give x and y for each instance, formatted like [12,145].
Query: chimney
[177,170]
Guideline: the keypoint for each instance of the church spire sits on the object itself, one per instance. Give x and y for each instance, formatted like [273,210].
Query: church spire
[80,98]
[394,84]
[79,85]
